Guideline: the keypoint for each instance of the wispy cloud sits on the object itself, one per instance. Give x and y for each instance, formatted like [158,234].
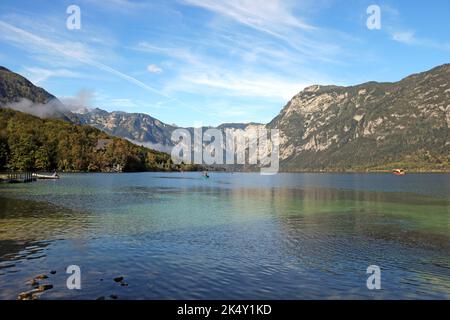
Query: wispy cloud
[175,52]
[122,5]
[276,18]
[197,73]
[39,75]
[69,50]
[270,16]
[410,38]
[252,84]
[397,30]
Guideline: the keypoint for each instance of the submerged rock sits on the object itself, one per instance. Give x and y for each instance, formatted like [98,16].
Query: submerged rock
[118,279]
[45,287]
[33,282]
[28,295]
[53,272]
[41,277]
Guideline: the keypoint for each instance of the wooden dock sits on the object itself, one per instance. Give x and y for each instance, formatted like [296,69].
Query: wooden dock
[17,177]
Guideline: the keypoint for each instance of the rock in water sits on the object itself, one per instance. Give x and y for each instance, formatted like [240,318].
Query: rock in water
[28,295]
[45,287]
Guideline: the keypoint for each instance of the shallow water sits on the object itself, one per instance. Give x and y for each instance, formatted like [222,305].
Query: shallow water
[234,236]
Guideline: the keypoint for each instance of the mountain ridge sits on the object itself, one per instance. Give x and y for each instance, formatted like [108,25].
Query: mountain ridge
[340,128]
[332,128]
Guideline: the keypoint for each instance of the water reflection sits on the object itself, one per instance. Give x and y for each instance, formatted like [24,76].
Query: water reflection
[184,237]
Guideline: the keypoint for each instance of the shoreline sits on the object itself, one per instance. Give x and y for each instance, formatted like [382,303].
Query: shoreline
[236,172]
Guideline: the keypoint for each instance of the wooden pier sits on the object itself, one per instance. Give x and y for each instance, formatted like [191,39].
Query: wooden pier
[17,177]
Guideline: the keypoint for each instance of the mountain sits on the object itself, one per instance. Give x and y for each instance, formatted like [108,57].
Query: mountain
[143,129]
[136,127]
[14,87]
[18,93]
[372,126]
[369,126]
[38,132]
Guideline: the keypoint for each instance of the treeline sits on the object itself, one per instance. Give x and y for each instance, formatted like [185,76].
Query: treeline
[28,143]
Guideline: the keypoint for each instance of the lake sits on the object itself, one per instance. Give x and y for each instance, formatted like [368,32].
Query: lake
[233,236]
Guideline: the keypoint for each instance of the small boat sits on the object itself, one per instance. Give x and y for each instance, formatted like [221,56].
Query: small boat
[399,172]
[54,176]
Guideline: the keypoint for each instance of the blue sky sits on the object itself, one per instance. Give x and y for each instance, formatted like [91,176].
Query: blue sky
[211,61]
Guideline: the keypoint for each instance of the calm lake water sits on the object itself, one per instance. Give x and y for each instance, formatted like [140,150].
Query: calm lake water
[234,236]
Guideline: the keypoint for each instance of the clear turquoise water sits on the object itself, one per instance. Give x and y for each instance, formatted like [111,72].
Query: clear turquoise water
[234,236]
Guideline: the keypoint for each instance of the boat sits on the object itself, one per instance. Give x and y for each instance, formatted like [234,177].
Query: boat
[54,176]
[399,172]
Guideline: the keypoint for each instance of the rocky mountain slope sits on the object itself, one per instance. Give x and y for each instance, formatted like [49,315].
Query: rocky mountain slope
[143,129]
[372,125]
[14,87]
[18,93]
[136,127]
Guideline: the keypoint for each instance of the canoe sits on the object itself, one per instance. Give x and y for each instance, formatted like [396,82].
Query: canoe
[46,177]
[399,172]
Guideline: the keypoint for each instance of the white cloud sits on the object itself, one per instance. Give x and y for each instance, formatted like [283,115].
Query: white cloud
[83,99]
[404,37]
[154,69]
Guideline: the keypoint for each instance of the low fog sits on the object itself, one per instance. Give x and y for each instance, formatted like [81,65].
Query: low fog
[53,107]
